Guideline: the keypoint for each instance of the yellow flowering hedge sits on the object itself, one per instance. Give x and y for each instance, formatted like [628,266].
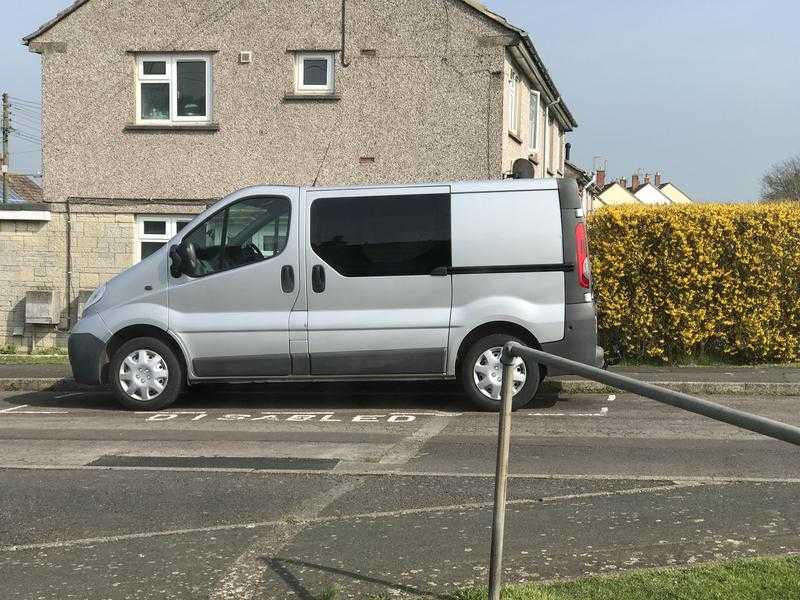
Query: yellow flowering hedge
[682,281]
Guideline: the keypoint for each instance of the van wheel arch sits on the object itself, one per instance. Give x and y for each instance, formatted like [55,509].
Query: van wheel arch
[136,331]
[495,327]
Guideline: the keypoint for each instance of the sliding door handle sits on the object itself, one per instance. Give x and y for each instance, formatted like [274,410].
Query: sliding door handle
[287,279]
[318,279]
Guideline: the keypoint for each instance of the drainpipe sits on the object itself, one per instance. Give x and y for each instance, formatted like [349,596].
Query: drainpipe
[68,215]
[545,156]
[345,64]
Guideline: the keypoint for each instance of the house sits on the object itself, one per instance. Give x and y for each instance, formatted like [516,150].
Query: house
[586,183]
[613,193]
[674,193]
[153,109]
[638,192]
[22,188]
[647,193]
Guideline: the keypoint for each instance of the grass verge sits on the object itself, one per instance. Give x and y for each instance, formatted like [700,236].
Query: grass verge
[748,579]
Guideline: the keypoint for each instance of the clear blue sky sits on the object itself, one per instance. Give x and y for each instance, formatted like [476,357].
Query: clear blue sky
[705,91]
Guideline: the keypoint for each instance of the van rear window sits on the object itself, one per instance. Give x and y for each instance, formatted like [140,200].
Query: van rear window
[379,236]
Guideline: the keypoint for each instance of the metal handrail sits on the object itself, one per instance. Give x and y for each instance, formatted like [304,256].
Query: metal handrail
[512,350]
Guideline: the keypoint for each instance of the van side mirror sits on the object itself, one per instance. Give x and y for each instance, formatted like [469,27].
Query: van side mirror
[176,266]
[184,259]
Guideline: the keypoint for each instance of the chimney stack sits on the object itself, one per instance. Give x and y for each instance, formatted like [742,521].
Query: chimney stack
[658,179]
[634,182]
[646,178]
[600,179]
[623,182]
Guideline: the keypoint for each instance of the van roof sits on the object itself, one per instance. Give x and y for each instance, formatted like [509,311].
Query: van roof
[460,187]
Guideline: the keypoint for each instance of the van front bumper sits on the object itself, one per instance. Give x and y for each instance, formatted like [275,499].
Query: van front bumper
[580,338]
[87,357]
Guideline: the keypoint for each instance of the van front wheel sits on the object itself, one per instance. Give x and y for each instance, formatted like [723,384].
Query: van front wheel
[146,374]
[482,374]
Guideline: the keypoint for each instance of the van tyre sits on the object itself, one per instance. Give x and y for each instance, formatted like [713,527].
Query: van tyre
[146,374]
[481,374]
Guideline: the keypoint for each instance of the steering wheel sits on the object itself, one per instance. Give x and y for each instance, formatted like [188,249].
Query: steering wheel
[251,252]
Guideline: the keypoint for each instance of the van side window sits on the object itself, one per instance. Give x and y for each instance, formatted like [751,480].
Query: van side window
[379,236]
[245,232]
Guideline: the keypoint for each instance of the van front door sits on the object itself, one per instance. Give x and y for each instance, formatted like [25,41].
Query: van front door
[231,310]
[379,294]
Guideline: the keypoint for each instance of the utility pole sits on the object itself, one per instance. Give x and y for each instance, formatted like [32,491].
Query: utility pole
[6,131]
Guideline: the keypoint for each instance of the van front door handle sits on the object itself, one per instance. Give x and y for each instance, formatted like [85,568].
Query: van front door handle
[287,279]
[318,279]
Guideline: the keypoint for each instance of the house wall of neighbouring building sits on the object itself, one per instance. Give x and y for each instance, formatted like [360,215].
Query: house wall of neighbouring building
[519,145]
[422,100]
[426,107]
[35,254]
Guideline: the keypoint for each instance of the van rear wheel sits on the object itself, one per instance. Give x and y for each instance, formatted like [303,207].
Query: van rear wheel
[146,374]
[482,374]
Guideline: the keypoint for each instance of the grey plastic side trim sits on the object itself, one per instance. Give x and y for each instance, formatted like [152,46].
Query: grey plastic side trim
[380,362]
[87,355]
[242,366]
[301,364]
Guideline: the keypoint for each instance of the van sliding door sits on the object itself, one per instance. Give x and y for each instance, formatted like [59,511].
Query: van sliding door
[379,292]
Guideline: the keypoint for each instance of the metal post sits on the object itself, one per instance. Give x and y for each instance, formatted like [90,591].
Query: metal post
[501,479]
[5,164]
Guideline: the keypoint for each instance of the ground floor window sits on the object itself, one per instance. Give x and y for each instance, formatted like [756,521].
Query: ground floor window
[153,231]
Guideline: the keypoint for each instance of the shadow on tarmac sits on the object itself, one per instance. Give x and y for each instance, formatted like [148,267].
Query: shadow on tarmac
[445,396]
[282,568]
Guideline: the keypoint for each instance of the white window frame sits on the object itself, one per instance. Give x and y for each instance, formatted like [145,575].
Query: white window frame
[171,77]
[171,230]
[513,102]
[533,119]
[300,87]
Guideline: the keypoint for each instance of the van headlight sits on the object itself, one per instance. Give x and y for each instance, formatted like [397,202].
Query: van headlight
[96,296]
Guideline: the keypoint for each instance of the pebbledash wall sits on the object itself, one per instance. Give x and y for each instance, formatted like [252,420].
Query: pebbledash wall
[424,98]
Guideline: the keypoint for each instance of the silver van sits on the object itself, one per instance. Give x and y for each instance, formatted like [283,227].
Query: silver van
[393,282]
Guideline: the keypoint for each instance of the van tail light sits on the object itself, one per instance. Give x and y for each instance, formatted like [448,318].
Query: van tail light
[582,251]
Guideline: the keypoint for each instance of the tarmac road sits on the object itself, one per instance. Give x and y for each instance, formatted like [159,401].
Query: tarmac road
[282,491]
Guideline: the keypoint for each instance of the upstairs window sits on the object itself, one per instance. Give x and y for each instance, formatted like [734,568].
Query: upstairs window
[314,73]
[173,88]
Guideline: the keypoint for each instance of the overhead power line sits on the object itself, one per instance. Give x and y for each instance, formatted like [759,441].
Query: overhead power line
[15,100]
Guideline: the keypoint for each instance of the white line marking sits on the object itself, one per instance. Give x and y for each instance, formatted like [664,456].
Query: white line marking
[603,412]
[611,397]
[305,412]
[341,489]
[17,411]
